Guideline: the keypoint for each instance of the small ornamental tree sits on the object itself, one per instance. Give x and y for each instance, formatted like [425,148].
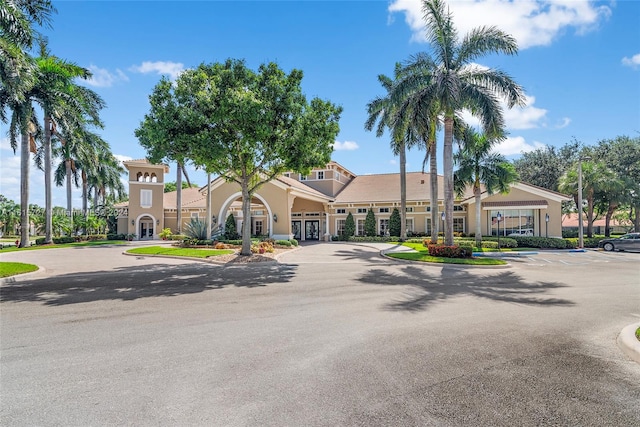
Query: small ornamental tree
[370,224]
[349,227]
[230,232]
[394,223]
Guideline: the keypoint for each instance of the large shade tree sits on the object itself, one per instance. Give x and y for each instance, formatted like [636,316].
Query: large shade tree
[457,83]
[479,165]
[247,126]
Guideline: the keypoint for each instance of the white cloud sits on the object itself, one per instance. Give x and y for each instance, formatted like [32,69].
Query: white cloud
[5,145]
[122,158]
[393,162]
[516,145]
[10,178]
[566,121]
[345,146]
[531,22]
[633,62]
[104,78]
[516,118]
[172,69]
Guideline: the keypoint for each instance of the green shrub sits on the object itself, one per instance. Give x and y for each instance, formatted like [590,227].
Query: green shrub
[177,237]
[196,229]
[64,239]
[114,236]
[589,242]
[230,231]
[294,242]
[283,242]
[489,244]
[395,223]
[569,233]
[414,240]
[370,224]
[165,233]
[360,239]
[540,242]
[94,237]
[505,242]
[454,251]
[40,241]
[349,227]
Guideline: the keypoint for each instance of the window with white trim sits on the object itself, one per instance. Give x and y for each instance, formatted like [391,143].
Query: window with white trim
[360,228]
[458,225]
[409,208]
[341,211]
[146,198]
[409,225]
[340,225]
[362,210]
[383,210]
[303,177]
[195,215]
[458,208]
[320,175]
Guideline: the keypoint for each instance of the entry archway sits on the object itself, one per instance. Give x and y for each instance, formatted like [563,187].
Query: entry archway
[222,214]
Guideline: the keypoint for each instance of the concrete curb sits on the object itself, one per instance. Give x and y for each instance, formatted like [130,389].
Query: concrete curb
[211,260]
[19,277]
[628,342]
[383,253]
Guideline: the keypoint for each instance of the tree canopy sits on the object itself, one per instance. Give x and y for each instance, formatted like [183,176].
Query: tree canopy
[244,125]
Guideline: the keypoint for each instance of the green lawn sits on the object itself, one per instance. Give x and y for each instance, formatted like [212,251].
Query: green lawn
[423,256]
[65,245]
[186,252]
[12,268]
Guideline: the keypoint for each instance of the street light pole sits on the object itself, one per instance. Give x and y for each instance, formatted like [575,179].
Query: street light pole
[443,216]
[580,225]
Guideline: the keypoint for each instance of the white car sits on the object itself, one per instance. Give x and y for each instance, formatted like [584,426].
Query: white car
[523,232]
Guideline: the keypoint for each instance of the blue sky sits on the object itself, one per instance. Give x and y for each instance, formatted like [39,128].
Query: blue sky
[579,63]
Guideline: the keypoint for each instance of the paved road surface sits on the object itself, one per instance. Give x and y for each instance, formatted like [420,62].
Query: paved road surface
[334,335]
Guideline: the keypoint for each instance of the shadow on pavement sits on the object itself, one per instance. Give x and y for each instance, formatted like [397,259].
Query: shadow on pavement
[453,282]
[131,283]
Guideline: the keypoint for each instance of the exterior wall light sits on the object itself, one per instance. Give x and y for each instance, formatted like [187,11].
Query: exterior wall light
[275,218]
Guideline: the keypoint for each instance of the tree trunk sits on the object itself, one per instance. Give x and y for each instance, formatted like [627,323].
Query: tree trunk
[209,219]
[24,190]
[607,221]
[84,195]
[433,182]
[477,193]
[447,163]
[590,208]
[246,220]
[403,191]
[67,164]
[48,202]
[636,221]
[179,198]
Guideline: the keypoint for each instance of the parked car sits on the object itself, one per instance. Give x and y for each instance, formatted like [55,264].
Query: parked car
[628,242]
[522,232]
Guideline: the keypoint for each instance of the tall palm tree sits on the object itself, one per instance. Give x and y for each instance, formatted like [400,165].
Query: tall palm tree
[105,180]
[479,165]
[383,111]
[457,84]
[17,33]
[63,102]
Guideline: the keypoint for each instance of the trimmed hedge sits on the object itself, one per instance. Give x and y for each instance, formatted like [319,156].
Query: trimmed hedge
[294,242]
[540,242]
[450,251]
[589,242]
[363,239]
[94,237]
[505,242]
[64,239]
[283,243]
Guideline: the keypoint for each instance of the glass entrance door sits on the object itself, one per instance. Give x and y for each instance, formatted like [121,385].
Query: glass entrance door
[312,230]
[296,229]
[146,229]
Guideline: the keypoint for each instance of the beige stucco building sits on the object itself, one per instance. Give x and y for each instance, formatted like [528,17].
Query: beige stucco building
[315,207]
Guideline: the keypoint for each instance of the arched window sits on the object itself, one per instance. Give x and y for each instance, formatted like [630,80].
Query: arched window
[146,177]
[154,178]
[139,177]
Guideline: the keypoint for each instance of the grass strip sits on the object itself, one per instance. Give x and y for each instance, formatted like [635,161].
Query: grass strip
[425,257]
[12,268]
[186,252]
[65,245]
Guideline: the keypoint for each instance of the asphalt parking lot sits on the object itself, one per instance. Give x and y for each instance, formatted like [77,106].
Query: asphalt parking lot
[332,335]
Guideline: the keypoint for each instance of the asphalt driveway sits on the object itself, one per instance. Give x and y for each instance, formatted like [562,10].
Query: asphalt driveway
[333,335]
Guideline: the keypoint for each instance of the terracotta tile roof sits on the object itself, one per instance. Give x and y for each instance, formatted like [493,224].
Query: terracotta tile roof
[386,188]
[191,198]
[571,220]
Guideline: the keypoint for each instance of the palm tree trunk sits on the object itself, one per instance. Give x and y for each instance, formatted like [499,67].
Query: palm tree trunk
[67,164]
[433,181]
[607,221]
[48,196]
[477,193]
[179,198]
[24,190]
[590,208]
[403,191]
[447,163]
[84,194]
